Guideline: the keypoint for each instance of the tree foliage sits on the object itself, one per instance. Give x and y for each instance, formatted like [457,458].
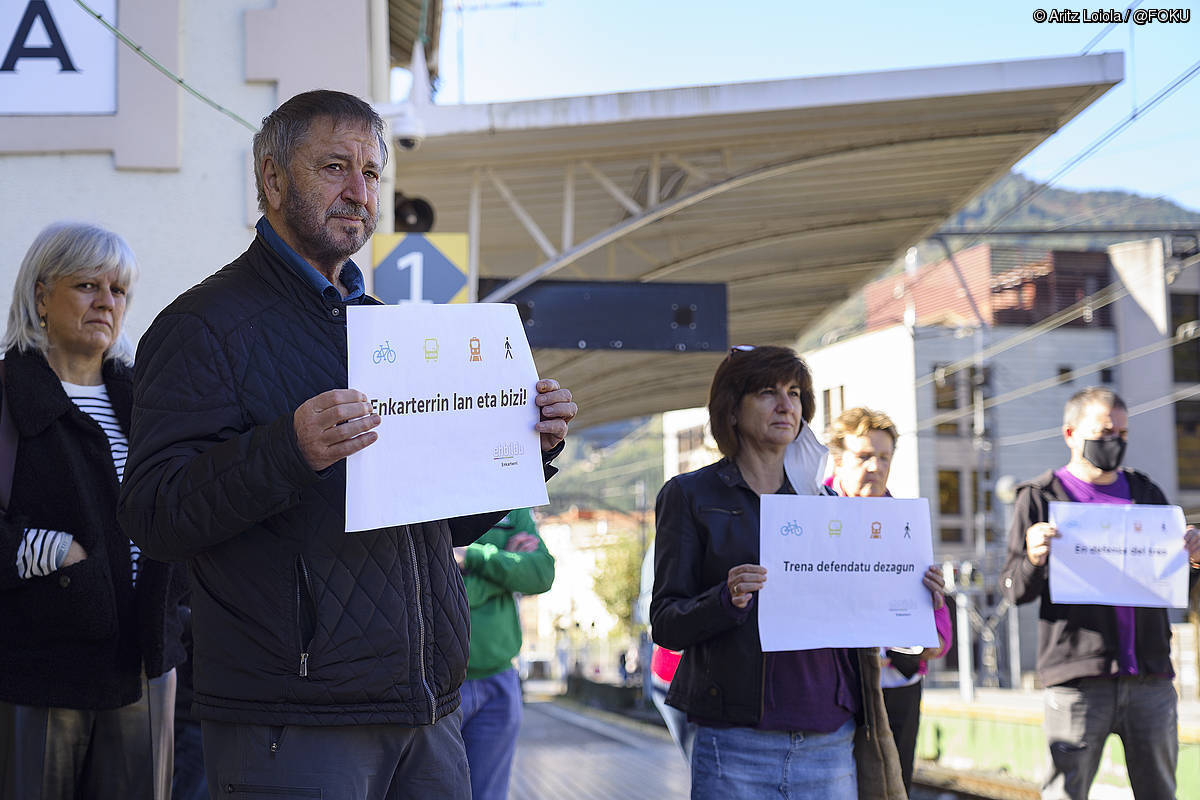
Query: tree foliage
[617,579]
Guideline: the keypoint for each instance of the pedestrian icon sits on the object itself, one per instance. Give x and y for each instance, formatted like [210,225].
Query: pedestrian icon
[476,349]
[507,349]
[907,535]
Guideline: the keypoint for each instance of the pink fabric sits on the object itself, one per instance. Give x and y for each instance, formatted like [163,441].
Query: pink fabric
[664,662]
[941,616]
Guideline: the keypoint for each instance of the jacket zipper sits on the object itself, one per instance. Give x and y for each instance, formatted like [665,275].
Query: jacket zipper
[299,614]
[412,552]
[283,791]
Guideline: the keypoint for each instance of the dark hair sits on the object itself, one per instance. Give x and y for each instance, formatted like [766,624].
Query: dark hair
[1074,409]
[284,128]
[747,370]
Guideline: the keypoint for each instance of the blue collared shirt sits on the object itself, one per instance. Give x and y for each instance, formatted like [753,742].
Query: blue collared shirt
[351,276]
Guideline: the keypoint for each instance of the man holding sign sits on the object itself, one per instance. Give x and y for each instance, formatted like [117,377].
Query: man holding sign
[1106,669]
[326,663]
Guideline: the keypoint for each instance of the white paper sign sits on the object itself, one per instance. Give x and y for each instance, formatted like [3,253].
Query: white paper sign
[56,59]
[844,572]
[455,385]
[1118,555]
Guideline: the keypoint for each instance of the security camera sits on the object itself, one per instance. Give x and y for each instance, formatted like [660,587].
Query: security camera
[407,130]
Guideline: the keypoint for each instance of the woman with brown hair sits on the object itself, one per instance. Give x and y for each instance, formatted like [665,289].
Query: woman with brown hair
[805,723]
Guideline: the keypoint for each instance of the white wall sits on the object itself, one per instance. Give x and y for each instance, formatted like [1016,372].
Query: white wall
[1142,318]
[876,370]
[185,224]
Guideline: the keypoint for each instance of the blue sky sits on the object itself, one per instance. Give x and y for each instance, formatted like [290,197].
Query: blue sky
[570,47]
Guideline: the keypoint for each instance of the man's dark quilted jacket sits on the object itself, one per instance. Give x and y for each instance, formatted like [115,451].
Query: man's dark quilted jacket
[294,620]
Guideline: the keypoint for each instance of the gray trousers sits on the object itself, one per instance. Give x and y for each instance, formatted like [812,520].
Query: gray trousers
[337,762]
[65,753]
[1079,717]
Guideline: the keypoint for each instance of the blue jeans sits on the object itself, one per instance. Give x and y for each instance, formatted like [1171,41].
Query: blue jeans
[491,709]
[749,764]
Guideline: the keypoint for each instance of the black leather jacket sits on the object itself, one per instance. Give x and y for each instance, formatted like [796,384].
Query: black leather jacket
[707,522]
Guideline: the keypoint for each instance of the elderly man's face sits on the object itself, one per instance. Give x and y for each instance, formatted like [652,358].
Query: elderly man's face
[862,468]
[331,198]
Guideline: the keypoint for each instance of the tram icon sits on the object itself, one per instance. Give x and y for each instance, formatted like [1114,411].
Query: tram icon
[431,349]
[876,530]
[835,527]
[476,349]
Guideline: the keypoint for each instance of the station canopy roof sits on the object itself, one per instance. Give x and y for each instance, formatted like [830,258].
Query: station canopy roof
[404,26]
[794,193]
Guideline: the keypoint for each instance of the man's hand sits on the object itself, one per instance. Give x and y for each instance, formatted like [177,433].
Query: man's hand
[936,585]
[460,558]
[743,580]
[1037,542]
[333,425]
[521,543]
[1191,542]
[557,411]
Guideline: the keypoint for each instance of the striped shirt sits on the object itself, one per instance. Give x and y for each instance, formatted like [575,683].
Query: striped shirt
[42,551]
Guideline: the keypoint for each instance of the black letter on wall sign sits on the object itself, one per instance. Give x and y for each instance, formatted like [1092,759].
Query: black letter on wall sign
[18,50]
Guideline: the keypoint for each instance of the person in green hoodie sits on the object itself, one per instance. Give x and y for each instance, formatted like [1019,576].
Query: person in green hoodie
[510,558]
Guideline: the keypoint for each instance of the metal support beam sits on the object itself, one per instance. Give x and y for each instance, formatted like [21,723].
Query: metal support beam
[612,188]
[689,168]
[568,219]
[522,215]
[653,181]
[675,205]
[768,240]
[473,220]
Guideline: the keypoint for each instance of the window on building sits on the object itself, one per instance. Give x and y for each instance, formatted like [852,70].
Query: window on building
[1185,307]
[1106,376]
[691,439]
[841,399]
[987,491]
[827,407]
[949,492]
[945,398]
[951,534]
[1187,443]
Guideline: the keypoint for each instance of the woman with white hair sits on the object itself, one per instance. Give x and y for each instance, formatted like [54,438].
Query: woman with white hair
[88,628]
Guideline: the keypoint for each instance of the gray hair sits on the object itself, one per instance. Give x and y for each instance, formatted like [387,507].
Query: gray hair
[63,249]
[1074,409]
[285,128]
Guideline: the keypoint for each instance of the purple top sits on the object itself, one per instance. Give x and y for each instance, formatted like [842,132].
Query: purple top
[1116,492]
[803,690]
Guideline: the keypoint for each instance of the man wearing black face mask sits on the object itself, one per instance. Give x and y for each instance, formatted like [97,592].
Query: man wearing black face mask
[1106,669]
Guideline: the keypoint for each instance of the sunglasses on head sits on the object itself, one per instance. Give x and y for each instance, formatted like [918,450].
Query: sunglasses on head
[740,348]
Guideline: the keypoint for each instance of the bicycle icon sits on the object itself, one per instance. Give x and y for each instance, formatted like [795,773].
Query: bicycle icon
[384,353]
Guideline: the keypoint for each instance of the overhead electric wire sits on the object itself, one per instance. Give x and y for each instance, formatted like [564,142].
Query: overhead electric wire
[1106,30]
[152,61]
[1133,116]
[1141,408]
[1109,294]
[1184,333]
